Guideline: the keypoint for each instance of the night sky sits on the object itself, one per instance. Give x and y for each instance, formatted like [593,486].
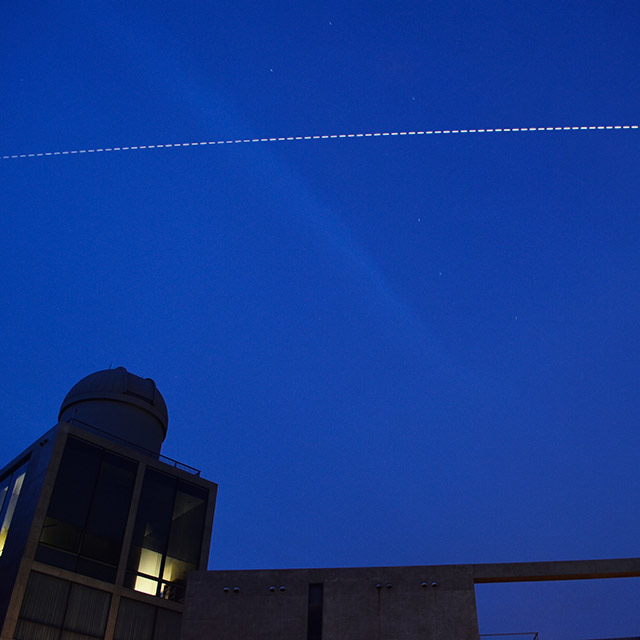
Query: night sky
[386,350]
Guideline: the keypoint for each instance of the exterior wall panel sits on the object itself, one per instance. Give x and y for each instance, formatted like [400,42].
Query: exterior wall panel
[384,603]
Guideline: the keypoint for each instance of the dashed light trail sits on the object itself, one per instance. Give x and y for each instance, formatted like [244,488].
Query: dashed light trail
[333,136]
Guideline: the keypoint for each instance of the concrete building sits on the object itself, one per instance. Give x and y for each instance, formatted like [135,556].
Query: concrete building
[103,537]
[373,603]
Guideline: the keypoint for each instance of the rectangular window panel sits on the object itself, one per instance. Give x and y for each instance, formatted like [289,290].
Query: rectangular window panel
[150,563]
[71,498]
[75,483]
[4,490]
[167,538]
[10,502]
[151,532]
[187,523]
[154,513]
[88,511]
[97,570]
[176,570]
[109,509]
[61,535]
[56,557]
[146,585]
[101,548]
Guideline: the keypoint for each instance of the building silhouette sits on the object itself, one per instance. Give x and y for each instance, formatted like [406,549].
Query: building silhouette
[99,529]
[103,537]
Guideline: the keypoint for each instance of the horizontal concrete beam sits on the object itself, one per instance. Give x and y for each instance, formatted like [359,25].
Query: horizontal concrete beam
[559,570]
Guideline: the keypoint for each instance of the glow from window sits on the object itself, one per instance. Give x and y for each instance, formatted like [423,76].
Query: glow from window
[176,570]
[146,585]
[150,562]
[11,507]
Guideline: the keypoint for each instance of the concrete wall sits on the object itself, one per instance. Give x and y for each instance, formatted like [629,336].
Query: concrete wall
[383,603]
[380,603]
[557,570]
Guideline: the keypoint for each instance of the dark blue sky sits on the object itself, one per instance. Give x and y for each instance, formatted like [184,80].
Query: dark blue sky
[408,350]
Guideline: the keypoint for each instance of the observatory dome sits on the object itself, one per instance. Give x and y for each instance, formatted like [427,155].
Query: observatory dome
[120,404]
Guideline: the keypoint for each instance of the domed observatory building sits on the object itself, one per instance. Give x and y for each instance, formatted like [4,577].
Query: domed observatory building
[99,530]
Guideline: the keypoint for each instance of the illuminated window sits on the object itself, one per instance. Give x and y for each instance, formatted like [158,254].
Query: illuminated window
[10,488]
[167,537]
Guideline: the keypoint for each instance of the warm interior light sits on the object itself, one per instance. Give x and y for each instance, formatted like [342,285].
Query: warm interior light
[146,585]
[150,562]
[11,507]
[176,570]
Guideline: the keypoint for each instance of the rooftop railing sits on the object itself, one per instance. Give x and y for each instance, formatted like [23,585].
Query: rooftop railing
[158,456]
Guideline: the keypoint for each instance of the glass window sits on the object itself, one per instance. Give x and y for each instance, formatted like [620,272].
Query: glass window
[150,562]
[186,529]
[109,509]
[95,569]
[151,532]
[56,557]
[154,513]
[10,489]
[168,535]
[4,490]
[71,498]
[88,511]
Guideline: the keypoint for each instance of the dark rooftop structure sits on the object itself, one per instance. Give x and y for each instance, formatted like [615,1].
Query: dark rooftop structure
[120,403]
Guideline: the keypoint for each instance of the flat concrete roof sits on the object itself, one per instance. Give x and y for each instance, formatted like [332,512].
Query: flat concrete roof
[557,570]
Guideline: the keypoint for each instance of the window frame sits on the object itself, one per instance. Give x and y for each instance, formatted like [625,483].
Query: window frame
[13,482]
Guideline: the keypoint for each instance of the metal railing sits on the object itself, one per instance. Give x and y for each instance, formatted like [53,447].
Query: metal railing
[158,456]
